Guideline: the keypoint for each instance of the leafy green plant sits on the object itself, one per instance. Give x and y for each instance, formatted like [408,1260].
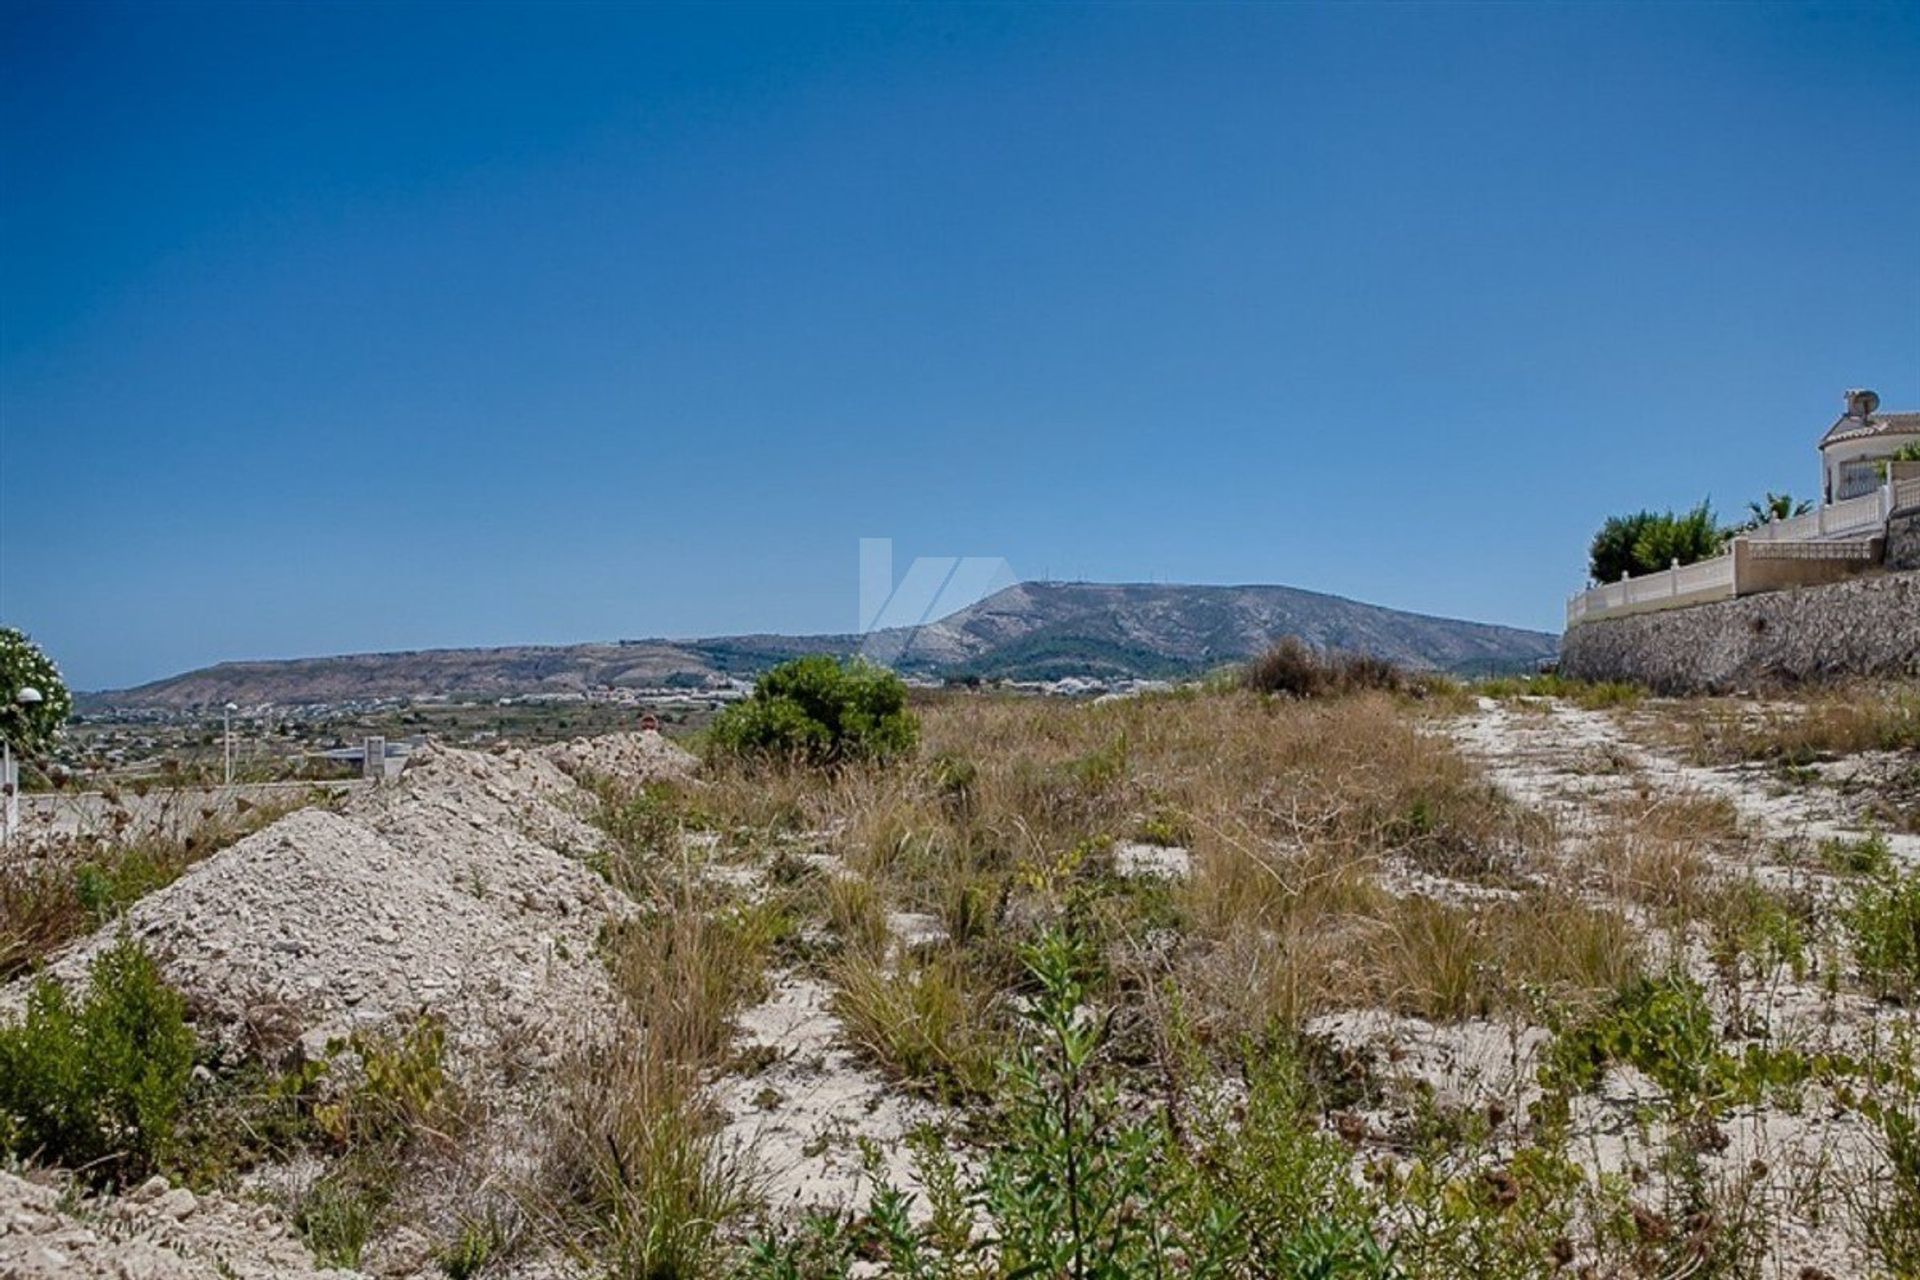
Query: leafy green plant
[1775,506]
[30,726]
[1167,828]
[1648,541]
[1664,1027]
[1905,453]
[1660,1025]
[96,1084]
[1079,1186]
[1883,916]
[373,1124]
[402,1086]
[1871,856]
[1887,1206]
[819,710]
[1749,922]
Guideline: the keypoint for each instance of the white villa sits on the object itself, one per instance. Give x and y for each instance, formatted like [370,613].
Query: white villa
[1863,489]
[1855,449]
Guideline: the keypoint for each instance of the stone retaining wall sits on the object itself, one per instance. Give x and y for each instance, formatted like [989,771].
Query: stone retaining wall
[1903,540]
[1867,626]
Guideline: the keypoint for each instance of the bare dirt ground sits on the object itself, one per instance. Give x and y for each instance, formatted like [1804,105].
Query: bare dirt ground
[1560,757]
[1580,768]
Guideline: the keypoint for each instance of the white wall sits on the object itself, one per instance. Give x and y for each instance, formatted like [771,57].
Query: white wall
[1871,447]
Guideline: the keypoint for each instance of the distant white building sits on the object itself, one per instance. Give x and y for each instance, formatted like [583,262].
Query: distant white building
[1861,439]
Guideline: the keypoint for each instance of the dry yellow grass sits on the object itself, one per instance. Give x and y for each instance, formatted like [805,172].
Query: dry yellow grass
[1818,725]
[1291,810]
[1665,851]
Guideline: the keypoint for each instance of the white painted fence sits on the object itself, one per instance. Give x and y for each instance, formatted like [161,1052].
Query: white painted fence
[1836,519]
[1840,530]
[1696,583]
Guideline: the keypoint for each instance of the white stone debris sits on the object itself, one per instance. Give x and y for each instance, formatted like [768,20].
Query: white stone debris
[157,1232]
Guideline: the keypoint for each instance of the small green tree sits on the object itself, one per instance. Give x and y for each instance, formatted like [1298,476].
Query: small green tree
[1775,506]
[29,727]
[1612,552]
[97,1083]
[1694,535]
[820,710]
[1648,541]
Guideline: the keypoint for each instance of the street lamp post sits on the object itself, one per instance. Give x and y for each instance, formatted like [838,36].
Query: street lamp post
[28,696]
[226,725]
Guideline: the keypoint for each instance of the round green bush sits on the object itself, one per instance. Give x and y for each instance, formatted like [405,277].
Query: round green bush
[820,710]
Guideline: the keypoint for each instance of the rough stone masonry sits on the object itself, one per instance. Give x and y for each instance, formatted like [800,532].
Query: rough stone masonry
[1867,626]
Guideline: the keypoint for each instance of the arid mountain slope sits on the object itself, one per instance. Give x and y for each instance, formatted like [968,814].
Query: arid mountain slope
[1058,629]
[1030,630]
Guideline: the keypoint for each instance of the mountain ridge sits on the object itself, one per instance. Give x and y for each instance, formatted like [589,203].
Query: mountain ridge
[1030,630]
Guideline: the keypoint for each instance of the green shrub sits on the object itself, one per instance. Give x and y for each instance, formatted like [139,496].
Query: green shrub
[1868,857]
[1884,916]
[820,710]
[374,1124]
[1077,1183]
[97,1083]
[1648,541]
[1660,1025]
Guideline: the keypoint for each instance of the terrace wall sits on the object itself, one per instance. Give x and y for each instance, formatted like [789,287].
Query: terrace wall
[1903,540]
[1866,626]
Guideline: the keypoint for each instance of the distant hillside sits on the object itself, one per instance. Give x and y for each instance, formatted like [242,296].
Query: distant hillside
[1028,631]
[1043,630]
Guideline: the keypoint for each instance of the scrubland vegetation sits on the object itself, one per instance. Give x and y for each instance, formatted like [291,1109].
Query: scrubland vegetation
[1284,977]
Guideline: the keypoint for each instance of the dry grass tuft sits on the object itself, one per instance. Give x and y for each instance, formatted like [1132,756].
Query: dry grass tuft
[1297,670]
[637,1173]
[925,1021]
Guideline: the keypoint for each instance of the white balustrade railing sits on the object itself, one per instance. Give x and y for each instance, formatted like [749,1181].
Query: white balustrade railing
[1846,525]
[1836,519]
[1695,583]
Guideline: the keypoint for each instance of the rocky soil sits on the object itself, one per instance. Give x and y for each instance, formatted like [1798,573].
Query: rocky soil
[158,1232]
[464,892]
[1571,764]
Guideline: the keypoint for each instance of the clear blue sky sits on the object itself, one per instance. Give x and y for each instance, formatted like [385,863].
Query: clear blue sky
[349,327]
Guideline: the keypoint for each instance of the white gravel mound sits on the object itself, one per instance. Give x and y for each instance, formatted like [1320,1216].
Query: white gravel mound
[156,1233]
[629,757]
[458,891]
